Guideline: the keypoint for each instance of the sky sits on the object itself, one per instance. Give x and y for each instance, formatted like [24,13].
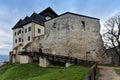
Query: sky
[13,10]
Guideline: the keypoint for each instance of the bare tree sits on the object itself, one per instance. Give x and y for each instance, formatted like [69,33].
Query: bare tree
[112,35]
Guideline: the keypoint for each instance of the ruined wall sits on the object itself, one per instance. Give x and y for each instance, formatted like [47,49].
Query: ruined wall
[66,35]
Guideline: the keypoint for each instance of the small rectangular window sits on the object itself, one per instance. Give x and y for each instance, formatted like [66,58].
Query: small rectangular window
[19,32]
[28,38]
[15,40]
[29,29]
[15,33]
[25,30]
[83,24]
[19,39]
[39,30]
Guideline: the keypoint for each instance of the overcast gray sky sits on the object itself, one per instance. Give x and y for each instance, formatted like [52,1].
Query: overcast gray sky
[12,10]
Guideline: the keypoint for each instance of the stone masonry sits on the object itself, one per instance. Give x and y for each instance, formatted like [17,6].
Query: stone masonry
[74,35]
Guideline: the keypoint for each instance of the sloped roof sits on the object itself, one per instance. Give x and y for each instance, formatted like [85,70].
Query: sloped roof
[33,18]
[38,19]
[79,15]
[76,15]
[49,12]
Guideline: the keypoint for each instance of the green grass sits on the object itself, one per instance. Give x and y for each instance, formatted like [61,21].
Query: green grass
[109,65]
[117,71]
[34,72]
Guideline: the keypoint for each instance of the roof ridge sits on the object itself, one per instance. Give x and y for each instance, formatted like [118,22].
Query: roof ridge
[37,15]
[48,9]
[79,15]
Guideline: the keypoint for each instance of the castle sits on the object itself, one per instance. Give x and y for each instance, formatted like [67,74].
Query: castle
[68,34]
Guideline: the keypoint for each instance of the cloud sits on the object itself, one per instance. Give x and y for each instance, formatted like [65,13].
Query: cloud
[4,46]
[7,20]
[105,17]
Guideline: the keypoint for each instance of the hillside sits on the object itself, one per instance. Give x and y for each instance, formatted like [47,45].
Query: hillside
[34,72]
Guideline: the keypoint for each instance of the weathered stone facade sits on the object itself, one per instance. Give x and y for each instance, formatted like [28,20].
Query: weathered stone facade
[68,34]
[74,35]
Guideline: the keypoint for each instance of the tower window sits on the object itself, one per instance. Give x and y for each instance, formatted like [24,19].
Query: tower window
[25,30]
[28,38]
[83,24]
[55,25]
[29,29]
[19,39]
[47,17]
[39,30]
[19,32]
[15,40]
[15,33]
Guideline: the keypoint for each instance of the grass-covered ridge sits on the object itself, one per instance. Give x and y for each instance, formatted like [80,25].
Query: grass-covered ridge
[34,72]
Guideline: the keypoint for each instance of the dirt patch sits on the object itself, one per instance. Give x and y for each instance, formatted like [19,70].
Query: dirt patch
[108,73]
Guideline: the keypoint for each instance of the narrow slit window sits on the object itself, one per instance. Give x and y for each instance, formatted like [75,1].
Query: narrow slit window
[19,31]
[15,40]
[83,24]
[19,39]
[15,33]
[55,25]
[25,30]
[28,38]
[39,30]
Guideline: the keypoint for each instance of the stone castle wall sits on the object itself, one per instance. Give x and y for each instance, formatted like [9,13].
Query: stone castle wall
[66,35]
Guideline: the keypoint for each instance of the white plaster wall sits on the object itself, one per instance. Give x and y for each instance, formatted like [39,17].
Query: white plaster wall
[24,37]
[28,33]
[38,37]
[17,37]
[19,48]
[37,26]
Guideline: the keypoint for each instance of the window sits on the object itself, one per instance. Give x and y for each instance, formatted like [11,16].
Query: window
[15,33]
[47,17]
[28,38]
[15,40]
[25,30]
[39,31]
[19,32]
[29,29]
[22,40]
[83,24]
[55,25]
[19,39]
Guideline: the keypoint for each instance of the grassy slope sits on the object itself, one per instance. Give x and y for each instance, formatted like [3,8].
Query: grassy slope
[117,71]
[34,72]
